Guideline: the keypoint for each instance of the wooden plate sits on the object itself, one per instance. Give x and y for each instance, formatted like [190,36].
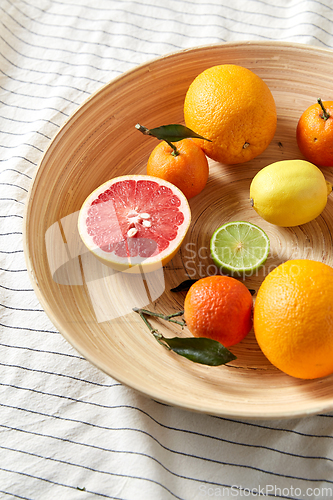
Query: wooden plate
[92,306]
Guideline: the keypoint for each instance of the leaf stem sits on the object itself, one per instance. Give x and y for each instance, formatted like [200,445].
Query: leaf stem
[200,349]
[325,115]
[162,316]
[142,129]
[146,131]
[158,336]
[174,151]
[179,313]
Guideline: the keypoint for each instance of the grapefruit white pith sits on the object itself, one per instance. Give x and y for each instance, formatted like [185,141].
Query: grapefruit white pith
[134,219]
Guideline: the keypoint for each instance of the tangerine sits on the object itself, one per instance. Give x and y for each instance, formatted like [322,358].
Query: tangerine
[234,108]
[187,169]
[220,308]
[293,318]
[314,133]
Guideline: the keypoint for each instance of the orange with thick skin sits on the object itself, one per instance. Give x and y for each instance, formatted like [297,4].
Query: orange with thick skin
[293,318]
[235,109]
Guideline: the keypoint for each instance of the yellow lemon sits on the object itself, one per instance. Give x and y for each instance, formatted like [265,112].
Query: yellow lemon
[289,192]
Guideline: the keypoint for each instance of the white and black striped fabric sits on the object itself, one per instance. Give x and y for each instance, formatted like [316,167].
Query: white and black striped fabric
[67,431]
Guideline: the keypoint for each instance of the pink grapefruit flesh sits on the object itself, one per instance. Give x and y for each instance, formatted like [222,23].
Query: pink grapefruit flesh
[134,219]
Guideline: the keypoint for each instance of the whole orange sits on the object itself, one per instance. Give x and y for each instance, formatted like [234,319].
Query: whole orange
[235,109]
[188,170]
[314,134]
[220,308]
[293,318]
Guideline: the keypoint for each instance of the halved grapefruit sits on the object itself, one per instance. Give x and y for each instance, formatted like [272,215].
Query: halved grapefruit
[134,219]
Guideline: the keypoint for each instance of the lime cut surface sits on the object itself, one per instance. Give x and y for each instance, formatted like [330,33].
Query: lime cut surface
[239,247]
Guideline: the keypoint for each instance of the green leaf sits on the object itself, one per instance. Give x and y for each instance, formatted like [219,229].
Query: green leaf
[183,286]
[201,350]
[174,133]
[170,133]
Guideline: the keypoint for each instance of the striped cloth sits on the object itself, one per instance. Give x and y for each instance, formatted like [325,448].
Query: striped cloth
[67,430]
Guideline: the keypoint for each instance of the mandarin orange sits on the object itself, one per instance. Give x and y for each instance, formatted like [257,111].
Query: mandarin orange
[314,133]
[220,308]
[188,170]
[293,318]
[235,109]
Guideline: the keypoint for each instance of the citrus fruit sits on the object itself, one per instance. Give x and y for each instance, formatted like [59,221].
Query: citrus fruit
[289,192]
[314,133]
[235,109]
[293,318]
[188,170]
[220,308]
[134,219]
[239,247]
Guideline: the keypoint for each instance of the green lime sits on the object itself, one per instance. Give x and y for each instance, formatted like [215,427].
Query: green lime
[239,247]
